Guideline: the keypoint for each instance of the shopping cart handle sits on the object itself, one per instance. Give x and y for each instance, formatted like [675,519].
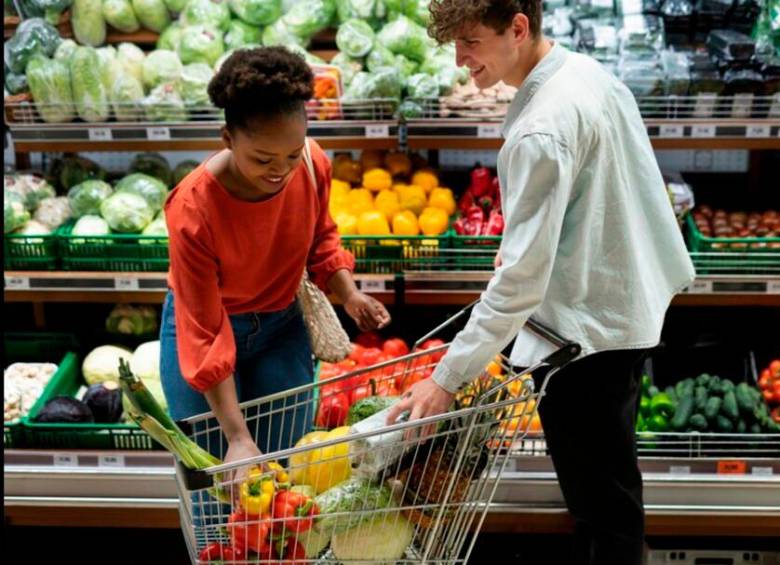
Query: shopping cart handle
[566,350]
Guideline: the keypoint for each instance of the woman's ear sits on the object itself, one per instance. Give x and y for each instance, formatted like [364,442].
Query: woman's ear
[226,137]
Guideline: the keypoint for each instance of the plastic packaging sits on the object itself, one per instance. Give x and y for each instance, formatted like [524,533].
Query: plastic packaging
[729,45]
[642,34]
[371,455]
[677,71]
[706,86]
[743,85]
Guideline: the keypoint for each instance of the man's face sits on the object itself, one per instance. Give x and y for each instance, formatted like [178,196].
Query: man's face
[489,56]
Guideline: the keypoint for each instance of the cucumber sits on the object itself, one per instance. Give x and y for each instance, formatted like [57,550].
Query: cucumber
[700,398]
[698,423]
[684,387]
[741,426]
[714,385]
[703,379]
[726,385]
[671,393]
[745,399]
[723,424]
[683,413]
[755,428]
[712,407]
[730,408]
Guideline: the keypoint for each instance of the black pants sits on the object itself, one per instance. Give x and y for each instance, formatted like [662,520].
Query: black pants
[589,414]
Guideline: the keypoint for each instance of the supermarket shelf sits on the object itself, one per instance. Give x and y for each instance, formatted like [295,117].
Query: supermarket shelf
[685,493]
[444,287]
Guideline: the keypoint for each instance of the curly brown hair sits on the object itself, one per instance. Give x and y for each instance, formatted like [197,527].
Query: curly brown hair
[261,83]
[450,17]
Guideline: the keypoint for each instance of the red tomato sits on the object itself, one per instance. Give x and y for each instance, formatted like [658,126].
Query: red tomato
[354,355]
[430,344]
[333,410]
[774,367]
[328,371]
[386,388]
[370,356]
[395,347]
[412,378]
[369,339]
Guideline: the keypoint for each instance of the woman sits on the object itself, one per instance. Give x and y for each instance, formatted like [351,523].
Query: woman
[243,227]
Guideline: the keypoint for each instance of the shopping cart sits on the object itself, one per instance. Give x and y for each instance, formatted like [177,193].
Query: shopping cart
[411,492]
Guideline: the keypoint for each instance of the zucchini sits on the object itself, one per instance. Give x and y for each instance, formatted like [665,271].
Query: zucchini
[700,398]
[712,407]
[698,423]
[729,407]
[723,424]
[745,399]
[683,413]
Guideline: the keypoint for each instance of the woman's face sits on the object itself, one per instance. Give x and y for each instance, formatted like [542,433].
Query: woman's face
[267,152]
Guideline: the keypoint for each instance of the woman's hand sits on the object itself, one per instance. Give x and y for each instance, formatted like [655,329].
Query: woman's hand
[368,313]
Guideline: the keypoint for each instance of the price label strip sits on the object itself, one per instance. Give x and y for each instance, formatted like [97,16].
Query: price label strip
[757,130]
[703,131]
[489,131]
[732,467]
[111,461]
[375,131]
[671,131]
[126,283]
[700,287]
[158,134]
[99,134]
[373,285]
[17,283]
[66,460]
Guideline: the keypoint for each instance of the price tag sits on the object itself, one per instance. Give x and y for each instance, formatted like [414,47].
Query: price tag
[734,467]
[671,130]
[158,134]
[490,131]
[111,461]
[703,130]
[373,285]
[773,287]
[17,283]
[763,471]
[99,134]
[66,460]
[679,470]
[126,283]
[377,130]
[757,130]
[700,287]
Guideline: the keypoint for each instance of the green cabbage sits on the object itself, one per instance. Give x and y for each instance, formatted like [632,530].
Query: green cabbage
[14,83]
[379,57]
[404,37]
[127,95]
[175,6]
[120,15]
[405,67]
[183,169]
[207,12]
[15,215]
[89,226]
[371,11]
[422,86]
[348,67]
[241,33]
[131,59]
[33,36]
[33,227]
[102,364]
[161,66]
[257,12]
[194,84]
[152,14]
[50,10]
[385,83]
[65,49]
[308,57]
[149,188]
[309,17]
[279,34]
[157,228]
[442,66]
[145,363]
[409,109]
[417,10]
[152,164]
[126,212]
[164,104]
[89,93]
[355,38]
[50,86]
[170,38]
[200,44]
[110,70]
[86,19]
[85,198]
[383,540]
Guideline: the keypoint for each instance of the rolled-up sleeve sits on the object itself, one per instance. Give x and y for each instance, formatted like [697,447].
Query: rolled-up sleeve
[204,336]
[535,192]
[326,255]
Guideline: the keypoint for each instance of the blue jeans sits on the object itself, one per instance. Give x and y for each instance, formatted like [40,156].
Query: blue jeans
[273,354]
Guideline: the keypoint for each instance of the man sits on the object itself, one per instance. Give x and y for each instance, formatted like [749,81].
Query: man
[591,248]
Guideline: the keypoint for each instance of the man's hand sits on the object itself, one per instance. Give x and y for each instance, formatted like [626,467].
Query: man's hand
[368,313]
[497,260]
[423,399]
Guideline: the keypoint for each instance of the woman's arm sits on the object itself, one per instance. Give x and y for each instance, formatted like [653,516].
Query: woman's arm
[368,313]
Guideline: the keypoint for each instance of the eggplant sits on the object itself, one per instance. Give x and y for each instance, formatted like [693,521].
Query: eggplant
[105,401]
[65,410]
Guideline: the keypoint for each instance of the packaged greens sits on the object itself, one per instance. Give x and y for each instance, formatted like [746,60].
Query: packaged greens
[594,9]
[50,86]
[120,15]
[257,12]
[65,49]
[743,85]
[200,44]
[677,71]
[705,87]
[164,104]
[348,67]
[240,33]
[127,96]
[309,17]
[422,86]
[153,14]
[89,93]
[85,198]
[170,38]
[194,84]
[404,37]
[161,66]
[355,38]
[88,23]
[729,45]
[279,34]
[31,37]
[131,59]
[206,12]
[642,33]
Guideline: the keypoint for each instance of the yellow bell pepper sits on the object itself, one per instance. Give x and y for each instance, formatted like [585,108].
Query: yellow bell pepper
[359,200]
[279,473]
[257,492]
[387,203]
[299,463]
[346,223]
[412,198]
[372,159]
[405,223]
[433,221]
[398,164]
[373,223]
[328,466]
[377,179]
[426,179]
[339,187]
[444,199]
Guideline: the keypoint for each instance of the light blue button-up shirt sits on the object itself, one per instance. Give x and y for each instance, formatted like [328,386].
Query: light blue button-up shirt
[591,247]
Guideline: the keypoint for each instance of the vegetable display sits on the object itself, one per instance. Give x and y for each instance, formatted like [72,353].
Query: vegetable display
[23,385]
[85,198]
[126,212]
[480,206]
[88,23]
[89,93]
[50,85]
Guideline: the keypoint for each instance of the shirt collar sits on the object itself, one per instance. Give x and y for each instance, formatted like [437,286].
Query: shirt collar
[543,70]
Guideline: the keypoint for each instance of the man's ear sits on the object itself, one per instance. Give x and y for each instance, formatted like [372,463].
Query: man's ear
[521,27]
[226,137]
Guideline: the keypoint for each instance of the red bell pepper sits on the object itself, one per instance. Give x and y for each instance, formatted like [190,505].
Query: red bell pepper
[220,552]
[494,225]
[466,201]
[248,533]
[474,220]
[293,512]
[481,181]
[333,410]
[460,226]
[291,552]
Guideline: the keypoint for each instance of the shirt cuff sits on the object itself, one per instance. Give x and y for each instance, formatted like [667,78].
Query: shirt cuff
[343,259]
[447,379]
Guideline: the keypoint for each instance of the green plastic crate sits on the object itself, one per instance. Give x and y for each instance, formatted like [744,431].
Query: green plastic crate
[67,382]
[30,253]
[395,253]
[701,243]
[33,348]
[475,252]
[114,252]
